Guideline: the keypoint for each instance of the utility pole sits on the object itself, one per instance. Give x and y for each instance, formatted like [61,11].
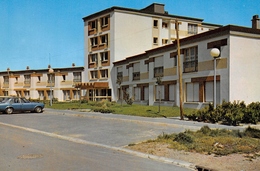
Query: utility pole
[179,68]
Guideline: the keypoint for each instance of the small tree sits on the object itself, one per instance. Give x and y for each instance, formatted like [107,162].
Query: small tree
[119,82]
[159,82]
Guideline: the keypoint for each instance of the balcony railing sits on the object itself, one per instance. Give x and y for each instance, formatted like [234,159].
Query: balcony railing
[190,66]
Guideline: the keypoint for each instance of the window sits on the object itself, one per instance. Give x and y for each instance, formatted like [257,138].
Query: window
[159,92]
[104,21]
[120,73]
[190,63]
[66,95]
[136,71]
[26,94]
[76,94]
[104,73]
[27,79]
[136,75]
[192,28]
[158,72]
[137,93]
[158,67]
[164,41]
[103,39]
[155,40]
[93,24]
[64,77]
[6,79]
[41,95]
[164,24]
[93,74]
[93,58]
[94,41]
[104,56]
[155,23]
[76,76]
[209,91]
[51,78]
[39,78]
[192,92]
[175,61]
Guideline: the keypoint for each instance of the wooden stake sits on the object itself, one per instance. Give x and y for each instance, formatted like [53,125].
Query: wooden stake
[179,68]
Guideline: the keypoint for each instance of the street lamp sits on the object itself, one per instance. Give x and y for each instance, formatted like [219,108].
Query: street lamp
[215,54]
[51,72]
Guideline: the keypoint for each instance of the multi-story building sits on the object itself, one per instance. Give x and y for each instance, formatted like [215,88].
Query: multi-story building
[237,69]
[115,33]
[42,84]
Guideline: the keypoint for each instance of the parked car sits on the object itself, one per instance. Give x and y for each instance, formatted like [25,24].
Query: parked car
[14,104]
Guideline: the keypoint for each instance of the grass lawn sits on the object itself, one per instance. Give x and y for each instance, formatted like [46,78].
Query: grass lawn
[136,110]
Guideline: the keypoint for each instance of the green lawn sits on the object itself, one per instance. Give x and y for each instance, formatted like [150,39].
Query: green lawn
[136,110]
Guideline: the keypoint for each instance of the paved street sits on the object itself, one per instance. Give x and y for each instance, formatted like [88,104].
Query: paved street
[71,140]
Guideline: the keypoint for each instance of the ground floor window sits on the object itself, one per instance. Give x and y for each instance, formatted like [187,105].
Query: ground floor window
[209,91]
[159,92]
[76,94]
[27,94]
[66,95]
[202,91]
[146,93]
[172,93]
[192,92]
[41,95]
[137,93]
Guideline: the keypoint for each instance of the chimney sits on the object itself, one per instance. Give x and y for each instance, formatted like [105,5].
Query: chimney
[155,8]
[256,22]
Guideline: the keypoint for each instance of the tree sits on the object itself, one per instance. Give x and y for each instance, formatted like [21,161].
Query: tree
[119,82]
[159,82]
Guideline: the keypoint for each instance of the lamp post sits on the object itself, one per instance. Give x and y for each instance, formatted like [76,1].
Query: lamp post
[215,54]
[51,72]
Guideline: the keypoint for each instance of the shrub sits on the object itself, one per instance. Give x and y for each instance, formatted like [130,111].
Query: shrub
[102,110]
[183,138]
[234,112]
[252,113]
[252,132]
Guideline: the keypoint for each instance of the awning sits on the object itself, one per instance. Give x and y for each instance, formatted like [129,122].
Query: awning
[90,85]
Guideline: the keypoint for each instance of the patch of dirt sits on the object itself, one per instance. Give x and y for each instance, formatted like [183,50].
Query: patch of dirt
[234,162]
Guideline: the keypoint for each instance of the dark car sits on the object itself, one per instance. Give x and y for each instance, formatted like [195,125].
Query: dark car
[21,104]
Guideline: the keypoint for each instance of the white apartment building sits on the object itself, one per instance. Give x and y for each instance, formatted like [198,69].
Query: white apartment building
[238,69]
[116,33]
[41,84]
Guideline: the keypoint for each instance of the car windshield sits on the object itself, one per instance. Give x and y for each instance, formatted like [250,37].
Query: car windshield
[24,100]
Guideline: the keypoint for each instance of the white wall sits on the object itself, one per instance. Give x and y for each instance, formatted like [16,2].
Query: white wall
[133,35]
[244,69]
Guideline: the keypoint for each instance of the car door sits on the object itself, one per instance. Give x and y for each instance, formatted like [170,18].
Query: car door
[16,104]
[26,105]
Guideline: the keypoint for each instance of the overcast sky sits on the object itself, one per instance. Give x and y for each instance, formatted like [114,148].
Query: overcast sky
[36,33]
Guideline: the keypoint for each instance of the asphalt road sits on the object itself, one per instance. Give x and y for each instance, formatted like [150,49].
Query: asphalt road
[71,140]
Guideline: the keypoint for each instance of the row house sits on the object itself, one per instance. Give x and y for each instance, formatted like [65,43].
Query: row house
[114,33]
[153,75]
[38,83]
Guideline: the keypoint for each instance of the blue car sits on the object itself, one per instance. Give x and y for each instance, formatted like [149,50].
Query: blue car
[14,104]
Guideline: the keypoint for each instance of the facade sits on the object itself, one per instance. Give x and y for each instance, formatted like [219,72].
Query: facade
[116,33]
[237,71]
[37,84]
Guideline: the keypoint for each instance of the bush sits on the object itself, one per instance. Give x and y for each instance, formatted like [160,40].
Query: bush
[252,113]
[102,110]
[183,138]
[252,132]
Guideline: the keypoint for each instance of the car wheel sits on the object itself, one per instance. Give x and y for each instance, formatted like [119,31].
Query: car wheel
[9,110]
[38,109]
